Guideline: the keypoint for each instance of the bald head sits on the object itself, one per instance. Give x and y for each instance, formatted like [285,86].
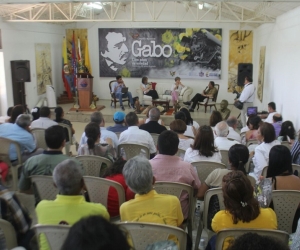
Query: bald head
[232,122]
[277,117]
[222,129]
[154,114]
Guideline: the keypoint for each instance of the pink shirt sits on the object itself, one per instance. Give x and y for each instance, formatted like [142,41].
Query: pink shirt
[173,168]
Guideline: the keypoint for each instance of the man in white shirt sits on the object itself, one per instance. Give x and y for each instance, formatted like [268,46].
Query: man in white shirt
[44,121]
[232,122]
[221,141]
[135,135]
[247,97]
[97,117]
[272,112]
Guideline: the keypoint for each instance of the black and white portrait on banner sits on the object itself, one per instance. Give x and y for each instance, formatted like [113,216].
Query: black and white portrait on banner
[160,53]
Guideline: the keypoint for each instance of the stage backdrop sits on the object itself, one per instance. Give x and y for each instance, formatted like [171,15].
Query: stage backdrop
[240,51]
[160,53]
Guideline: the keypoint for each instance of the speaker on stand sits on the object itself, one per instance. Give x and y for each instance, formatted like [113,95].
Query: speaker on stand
[244,69]
[20,73]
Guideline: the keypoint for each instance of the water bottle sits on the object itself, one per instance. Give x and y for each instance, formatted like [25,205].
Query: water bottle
[202,244]
[197,217]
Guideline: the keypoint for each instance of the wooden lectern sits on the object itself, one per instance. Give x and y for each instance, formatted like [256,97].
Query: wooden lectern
[85,90]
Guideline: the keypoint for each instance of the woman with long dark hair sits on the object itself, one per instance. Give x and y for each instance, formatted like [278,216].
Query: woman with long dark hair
[203,148]
[16,111]
[287,132]
[93,146]
[59,118]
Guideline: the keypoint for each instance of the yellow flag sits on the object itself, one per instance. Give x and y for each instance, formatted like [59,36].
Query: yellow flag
[87,57]
[64,51]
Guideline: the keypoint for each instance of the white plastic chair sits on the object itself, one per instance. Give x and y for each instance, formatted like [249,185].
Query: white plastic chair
[92,164]
[133,149]
[224,154]
[69,143]
[9,234]
[44,187]
[39,136]
[176,189]
[143,234]
[155,138]
[204,168]
[55,234]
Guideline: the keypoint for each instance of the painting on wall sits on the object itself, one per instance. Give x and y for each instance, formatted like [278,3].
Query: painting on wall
[240,51]
[261,73]
[193,53]
[0,40]
[43,66]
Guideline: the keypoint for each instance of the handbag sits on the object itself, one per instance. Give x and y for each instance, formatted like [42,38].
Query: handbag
[238,104]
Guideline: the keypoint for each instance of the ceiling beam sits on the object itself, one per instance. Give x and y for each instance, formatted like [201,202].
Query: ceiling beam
[72,1]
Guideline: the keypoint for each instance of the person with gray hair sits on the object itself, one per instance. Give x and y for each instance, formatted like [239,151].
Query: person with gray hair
[153,126]
[148,205]
[232,123]
[20,133]
[221,140]
[98,118]
[69,206]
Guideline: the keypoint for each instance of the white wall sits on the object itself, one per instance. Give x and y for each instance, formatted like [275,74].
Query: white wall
[18,41]
[101,83]
[282,65]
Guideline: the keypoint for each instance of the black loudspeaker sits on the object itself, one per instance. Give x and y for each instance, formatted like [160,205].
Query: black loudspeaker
[20,70]
[244,69]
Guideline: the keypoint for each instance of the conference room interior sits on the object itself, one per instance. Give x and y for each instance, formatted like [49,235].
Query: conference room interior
[274,26]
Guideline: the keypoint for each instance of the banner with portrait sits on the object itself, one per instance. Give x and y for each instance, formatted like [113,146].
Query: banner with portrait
[160,53]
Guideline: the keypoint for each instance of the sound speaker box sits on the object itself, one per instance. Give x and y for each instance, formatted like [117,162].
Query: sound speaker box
[20,70]
[244,69]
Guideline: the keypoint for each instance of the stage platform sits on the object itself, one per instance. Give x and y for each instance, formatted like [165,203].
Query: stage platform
[108,112]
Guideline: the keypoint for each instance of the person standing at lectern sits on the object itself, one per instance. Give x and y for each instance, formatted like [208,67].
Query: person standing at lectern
[117,87]
[246,97]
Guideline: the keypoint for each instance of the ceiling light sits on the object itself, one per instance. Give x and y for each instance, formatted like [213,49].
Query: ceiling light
[96,5]
[200,6]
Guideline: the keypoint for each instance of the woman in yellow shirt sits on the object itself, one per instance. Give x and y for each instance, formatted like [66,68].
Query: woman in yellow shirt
[242,210]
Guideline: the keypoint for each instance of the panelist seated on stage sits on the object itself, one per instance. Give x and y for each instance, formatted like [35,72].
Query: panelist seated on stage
[147,88]
[117,87]
[209,92]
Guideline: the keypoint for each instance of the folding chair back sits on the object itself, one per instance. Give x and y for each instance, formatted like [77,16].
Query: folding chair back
[143,234]
[204,168]
[234,233]
[155,138]
[133,149]
[44,187]
[55,235]
[92,164]
[9,234]
[39,136]
[69,142]
[285,204]
[224,154]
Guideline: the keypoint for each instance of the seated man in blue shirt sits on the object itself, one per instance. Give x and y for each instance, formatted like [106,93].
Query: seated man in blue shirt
[116,88]
[119,119]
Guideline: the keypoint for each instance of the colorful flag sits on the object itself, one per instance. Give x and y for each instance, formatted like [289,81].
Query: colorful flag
[79,50]
[65,63]
[74,61]
[87,62]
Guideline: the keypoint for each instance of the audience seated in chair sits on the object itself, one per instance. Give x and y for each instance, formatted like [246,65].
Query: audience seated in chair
[16,111]
[179,127]
[135,135]
[116,88]
[203,148]
[254,122]
[148,206]
[95,232]
[277,123]
[267,139]
[119,120]
[114,173]
[241,208]
[98,118]
[59,118]
[224,111]
[153,126]
[44,121]
[45,163]
[281,172]
[221,141]
[19,132]
[287,132]
[166,166]
[93,146]
[14,212]
[214,119]
[189,120]
[272,112]
[146,111]
[69,206]
[232,123]
[253,241]
[190,129]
